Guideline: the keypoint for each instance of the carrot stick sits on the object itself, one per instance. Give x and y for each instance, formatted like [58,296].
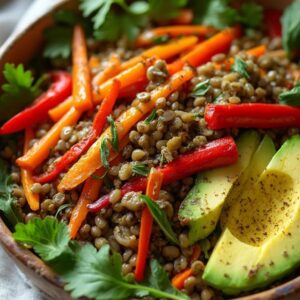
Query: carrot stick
[126,78]
[94,62]
[89,194]
[184,17]
[33,200]
[113,68]
[60,110]
[82,92]
[178,279]
[196,253]
[148,37]
[153,188]
[166,51]
[91,161]
[41,150]
[204,51]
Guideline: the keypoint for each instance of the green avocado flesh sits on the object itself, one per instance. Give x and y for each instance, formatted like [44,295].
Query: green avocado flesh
[202,206]
[261,239]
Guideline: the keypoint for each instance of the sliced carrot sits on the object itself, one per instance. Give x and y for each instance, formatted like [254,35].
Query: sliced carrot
[91,161]
[184,17]
[113,68]
[204,51]
[166,51]
[89,194]
[154,183]
[179,279]
[196,253]
[94,62]
[148,37]
[41,150]
[33,200]
[82,91]
[60,110]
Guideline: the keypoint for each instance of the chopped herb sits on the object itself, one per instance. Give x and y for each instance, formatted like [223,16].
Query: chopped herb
[97,177]
[61,208]
[160,217]
[114,133]
[240,67]
[104,153]
[201,88]
[290,21]
[161,39]
[151,117]
[141,169]
[291,97]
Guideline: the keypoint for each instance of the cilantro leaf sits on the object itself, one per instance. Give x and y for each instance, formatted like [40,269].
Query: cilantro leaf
[7,202]
[240,67]
[104,153]
[251,15]
[161,219]
[151,117]
[141,169]
[18,91]
[291,97]
[290,21]
[48,237]
[201,88]
[114,133]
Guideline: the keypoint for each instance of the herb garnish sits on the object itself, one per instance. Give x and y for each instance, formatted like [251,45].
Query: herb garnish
[86,272]
[201,88]
[114,134]
[18,91]
[151,117]
[61,208]
[160,217]
[240,67]
[291,97]
[104,153]
[141,169]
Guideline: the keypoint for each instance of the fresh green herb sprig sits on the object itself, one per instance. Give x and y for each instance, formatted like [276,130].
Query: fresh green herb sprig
[114,134]
[19,90]
[291,97]
[86,272]
[201,88]
[240,67]
[104,153]
[151,117]
[141,169]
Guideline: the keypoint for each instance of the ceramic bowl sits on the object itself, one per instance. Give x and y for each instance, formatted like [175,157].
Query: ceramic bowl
[24,44]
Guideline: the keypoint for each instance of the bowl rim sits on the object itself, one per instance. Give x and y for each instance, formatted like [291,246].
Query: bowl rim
[30,260]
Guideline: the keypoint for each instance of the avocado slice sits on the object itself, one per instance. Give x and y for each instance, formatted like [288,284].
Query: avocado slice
[261,241]
[202,206]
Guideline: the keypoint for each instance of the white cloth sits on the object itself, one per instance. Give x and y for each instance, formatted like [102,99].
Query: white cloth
[13,284]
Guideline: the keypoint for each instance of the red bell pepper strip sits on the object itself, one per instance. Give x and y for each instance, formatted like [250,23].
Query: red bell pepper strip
[154,182]
[81,147]
[251,115]
[217,153]
[272,21]
[129,92]
[58,91]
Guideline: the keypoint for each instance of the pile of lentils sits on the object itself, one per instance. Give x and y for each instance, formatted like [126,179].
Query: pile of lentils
[178,126]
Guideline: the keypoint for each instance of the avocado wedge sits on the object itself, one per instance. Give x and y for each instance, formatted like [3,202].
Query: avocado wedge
[202,206]
[261,239]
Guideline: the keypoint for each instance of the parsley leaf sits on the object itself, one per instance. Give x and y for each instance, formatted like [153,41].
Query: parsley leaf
[61,208]
[7,203]
[291,97]
[48,237]
[290,21]
[251,15]
[240,67]
[18,91]
[114,133]
[201,88]
[141,169]
[104,153]
[161,219]
[151,117]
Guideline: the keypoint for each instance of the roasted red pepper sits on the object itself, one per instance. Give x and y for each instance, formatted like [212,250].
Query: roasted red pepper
[272,21]
[217,153]
[58,91]
[251,115]
[81,147]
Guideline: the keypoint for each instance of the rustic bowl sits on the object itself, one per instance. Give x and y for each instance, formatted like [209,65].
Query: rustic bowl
[24,43]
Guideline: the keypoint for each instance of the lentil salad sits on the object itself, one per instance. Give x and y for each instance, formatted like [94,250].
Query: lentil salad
[129,118]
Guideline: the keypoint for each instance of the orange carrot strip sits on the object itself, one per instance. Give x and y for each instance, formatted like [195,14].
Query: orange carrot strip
[148,37]
[88,163]
[153,188]
[33,200]
[178,280]
[60,110]
[82,92]
[113,68]
[196,253]
[41,150]
[94,62]
[204,51]
[162,51]
[185,17]
[89,194]
[126,78]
